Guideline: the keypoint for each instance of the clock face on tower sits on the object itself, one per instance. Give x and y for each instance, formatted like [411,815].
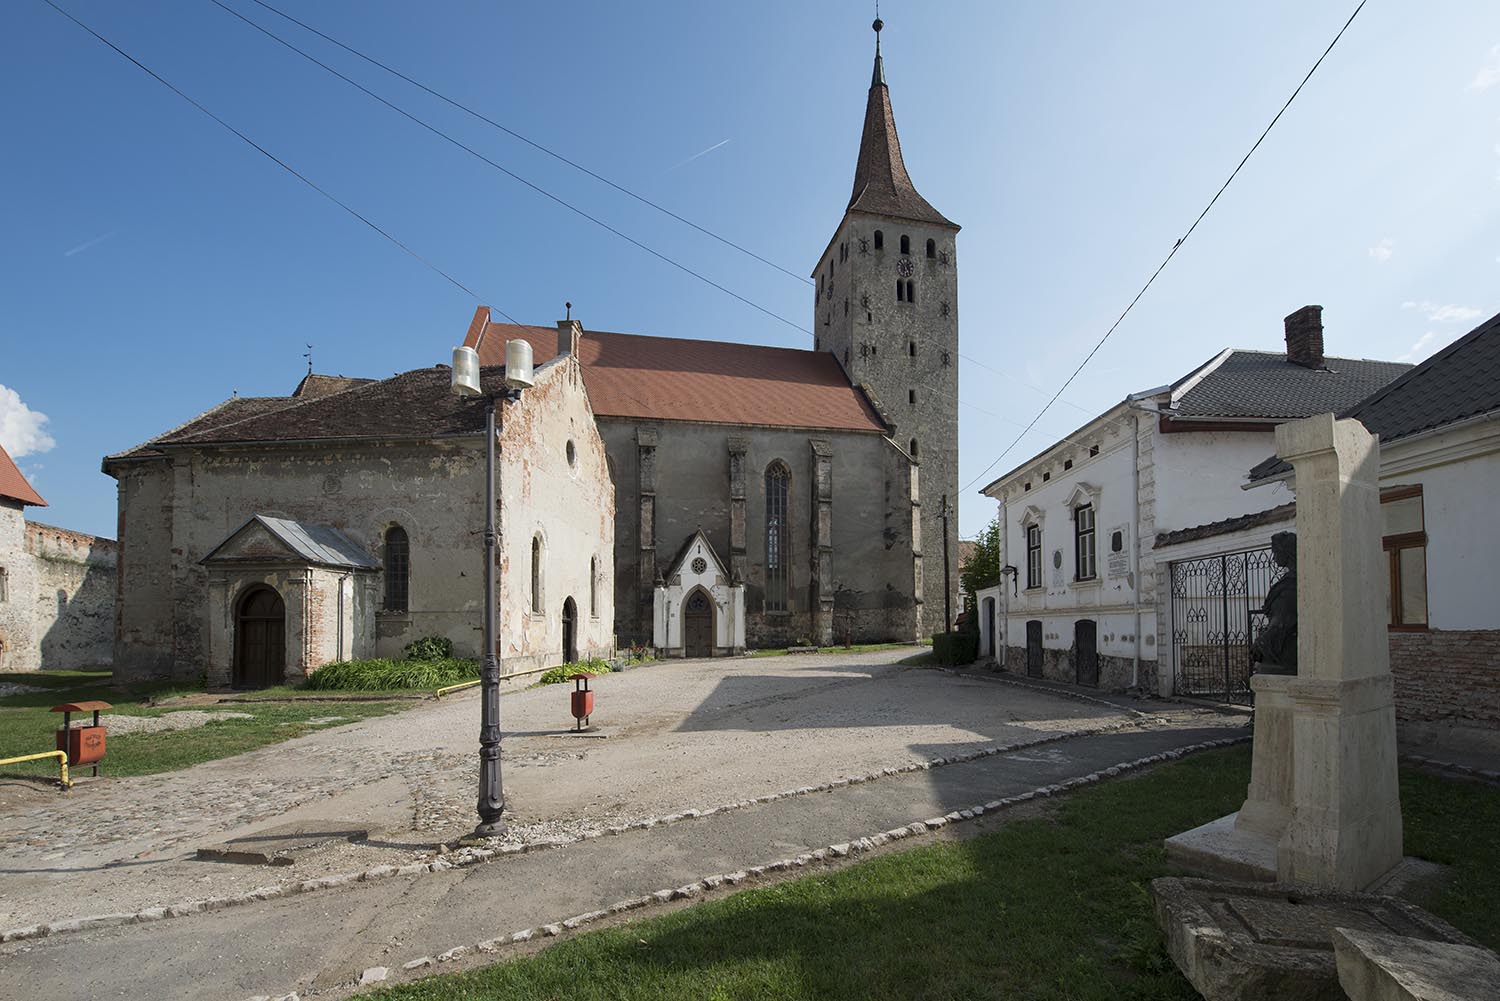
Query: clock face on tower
[904,267]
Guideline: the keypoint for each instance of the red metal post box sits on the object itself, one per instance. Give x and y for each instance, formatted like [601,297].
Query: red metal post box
[583,699]
[84,745]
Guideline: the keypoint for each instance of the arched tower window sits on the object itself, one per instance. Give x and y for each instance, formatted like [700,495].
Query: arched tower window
[931,249]
[914,448]
[905,244]
[911,291]
[900,290]
[879,239]
[536,575]
[397,569]
[778,536]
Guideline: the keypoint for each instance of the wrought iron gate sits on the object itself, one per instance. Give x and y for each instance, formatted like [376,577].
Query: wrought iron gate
[1216,616]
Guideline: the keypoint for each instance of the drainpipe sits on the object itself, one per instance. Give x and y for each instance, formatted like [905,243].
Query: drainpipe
[1004,594]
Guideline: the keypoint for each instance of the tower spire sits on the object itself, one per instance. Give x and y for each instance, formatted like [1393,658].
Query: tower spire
[881,184]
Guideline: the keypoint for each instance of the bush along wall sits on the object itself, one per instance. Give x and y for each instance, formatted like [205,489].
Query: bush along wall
[955,648]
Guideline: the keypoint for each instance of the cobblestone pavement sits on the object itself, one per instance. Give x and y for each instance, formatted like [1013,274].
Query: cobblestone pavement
[676,735]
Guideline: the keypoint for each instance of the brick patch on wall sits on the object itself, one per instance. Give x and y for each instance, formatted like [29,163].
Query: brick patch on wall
[1447,675]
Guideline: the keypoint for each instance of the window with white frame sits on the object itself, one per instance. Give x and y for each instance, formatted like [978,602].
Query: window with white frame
[1085,563]
[1033,556]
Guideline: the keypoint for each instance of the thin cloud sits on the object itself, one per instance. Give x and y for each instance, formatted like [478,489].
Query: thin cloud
[696,155]
[1489,74]
[89,244]
[1421,349]
[1383,250]
[22,430]
[1449,313]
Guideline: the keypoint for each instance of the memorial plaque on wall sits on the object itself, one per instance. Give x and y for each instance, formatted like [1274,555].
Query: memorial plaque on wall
[1117,557]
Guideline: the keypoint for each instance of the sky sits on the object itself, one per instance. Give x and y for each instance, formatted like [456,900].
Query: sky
[153,264]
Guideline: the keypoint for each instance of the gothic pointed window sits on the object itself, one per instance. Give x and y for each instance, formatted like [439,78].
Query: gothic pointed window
[397,569]
[778,536]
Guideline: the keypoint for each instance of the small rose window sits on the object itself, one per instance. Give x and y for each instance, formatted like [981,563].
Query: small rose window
[699,565]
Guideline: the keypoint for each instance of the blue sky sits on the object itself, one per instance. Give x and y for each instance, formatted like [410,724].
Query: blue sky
[153,263]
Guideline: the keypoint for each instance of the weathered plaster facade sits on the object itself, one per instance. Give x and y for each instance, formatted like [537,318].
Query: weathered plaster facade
[57,594]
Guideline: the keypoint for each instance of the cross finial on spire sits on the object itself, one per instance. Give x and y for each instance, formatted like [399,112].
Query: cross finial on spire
[879,76]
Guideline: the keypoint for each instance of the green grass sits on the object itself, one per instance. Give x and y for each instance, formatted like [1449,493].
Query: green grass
[26,725]
[1052,908]
[562,672]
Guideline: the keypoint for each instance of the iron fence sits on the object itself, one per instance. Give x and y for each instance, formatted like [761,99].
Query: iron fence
[1216,617]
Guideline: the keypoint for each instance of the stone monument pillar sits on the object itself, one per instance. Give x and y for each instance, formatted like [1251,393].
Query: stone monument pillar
[1322,809]
[1345,826]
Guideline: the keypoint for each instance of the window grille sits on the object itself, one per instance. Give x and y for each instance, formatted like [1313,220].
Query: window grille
[397,569]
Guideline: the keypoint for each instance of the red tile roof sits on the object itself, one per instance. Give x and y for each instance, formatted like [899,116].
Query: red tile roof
[13,485]
[676,379]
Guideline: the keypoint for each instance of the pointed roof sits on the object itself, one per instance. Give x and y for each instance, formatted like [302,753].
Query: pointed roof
[13,485]
[881,184]
[265,538]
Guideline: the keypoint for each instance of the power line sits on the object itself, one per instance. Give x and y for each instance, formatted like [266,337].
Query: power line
[1175,247]
[1034,388]
[510,173]
[270,156]
[531,142]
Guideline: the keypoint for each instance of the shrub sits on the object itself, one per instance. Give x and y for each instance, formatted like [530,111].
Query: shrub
[561,673]
[430,648]
[955,648]
[379,675]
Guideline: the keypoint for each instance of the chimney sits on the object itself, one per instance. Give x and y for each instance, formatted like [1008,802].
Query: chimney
[1304,336]
[568,332]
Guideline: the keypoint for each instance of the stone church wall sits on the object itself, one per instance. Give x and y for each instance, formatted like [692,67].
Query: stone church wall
[566,500]
[174,511]
[672,478]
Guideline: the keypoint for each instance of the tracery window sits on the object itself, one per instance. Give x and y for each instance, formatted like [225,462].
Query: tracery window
[778,537]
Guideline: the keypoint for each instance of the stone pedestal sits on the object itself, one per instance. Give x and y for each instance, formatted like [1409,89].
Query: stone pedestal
[1268,806]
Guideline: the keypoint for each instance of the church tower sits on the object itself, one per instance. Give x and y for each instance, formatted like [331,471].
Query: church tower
[887,308]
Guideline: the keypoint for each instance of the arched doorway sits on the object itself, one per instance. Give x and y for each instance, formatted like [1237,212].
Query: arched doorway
[698,624]
[570,631]
[260,639]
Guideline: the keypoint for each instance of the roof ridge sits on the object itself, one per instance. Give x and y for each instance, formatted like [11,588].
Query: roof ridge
[587,332]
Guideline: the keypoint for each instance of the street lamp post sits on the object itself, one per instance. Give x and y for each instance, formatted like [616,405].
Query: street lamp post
[466,383]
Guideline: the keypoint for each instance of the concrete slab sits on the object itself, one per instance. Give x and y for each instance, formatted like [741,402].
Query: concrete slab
[281,845]
[1245,941]
[1220,848]
[1379,967]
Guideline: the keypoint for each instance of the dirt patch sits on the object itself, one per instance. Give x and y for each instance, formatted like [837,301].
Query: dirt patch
[184,719]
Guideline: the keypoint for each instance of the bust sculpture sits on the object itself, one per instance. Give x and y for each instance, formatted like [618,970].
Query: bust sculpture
[1275,649]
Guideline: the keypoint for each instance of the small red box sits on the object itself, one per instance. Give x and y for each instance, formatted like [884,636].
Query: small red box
[84,744]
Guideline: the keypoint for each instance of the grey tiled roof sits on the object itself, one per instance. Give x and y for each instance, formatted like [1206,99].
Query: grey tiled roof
[1460,381]
[1250,384]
